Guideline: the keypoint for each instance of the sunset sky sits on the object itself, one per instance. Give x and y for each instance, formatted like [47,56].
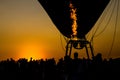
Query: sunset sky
[27,31]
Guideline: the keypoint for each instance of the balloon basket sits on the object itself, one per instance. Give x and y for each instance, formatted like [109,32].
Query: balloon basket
[79,44]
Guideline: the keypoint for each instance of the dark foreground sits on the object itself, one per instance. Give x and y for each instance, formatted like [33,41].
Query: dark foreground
[65,69]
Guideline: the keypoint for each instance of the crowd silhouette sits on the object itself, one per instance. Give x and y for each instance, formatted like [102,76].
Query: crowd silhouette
[65,69]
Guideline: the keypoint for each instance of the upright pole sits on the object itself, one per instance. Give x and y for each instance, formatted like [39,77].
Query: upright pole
[71,45]
[87,51]
[91,50]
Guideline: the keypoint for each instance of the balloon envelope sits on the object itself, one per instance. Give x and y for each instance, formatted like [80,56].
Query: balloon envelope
[88,12]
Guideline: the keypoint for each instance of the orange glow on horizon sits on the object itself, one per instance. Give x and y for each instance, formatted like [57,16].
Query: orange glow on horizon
[31,50]
[73,16]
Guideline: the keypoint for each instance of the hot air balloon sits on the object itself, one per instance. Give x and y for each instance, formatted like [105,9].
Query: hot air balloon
[87,12]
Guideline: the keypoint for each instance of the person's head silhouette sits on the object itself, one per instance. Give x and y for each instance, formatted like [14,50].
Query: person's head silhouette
[75,55]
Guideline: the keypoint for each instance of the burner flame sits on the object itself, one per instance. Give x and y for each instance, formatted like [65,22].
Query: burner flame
[73,16]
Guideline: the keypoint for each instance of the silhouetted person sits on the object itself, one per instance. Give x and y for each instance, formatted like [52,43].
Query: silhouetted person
[75,55]
[98,58]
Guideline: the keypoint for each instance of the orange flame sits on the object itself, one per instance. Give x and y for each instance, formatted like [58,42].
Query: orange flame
[73,16]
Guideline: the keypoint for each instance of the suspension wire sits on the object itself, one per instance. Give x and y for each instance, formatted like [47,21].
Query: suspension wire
[65,38]
[60,36]
[115,29]
[62,41]
[106,23]
[91,40]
